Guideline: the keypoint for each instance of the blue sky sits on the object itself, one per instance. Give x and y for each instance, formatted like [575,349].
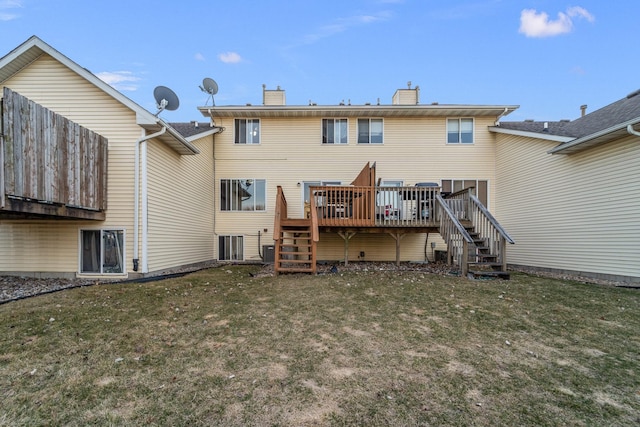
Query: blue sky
[547,56]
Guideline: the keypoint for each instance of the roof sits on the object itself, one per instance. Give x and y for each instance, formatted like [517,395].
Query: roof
[195,130]
[603,125]
[29,51]
[432,110]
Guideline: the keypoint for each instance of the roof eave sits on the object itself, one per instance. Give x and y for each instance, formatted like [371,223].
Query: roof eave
[600,137]
[537,135]
[355,110]
[34,47]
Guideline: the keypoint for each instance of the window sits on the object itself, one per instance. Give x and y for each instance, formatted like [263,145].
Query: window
[334,131]
[230,248]
[369,131]
[102,251]
[247,131]
[481,188]
[459,131]
[242,195]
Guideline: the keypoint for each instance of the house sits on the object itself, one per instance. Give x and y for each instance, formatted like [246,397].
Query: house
[305,162]
[301,184]
[569,191]
[144,204]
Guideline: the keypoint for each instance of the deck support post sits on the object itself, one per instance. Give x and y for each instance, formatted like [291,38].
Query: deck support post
[346,236]
[397,237]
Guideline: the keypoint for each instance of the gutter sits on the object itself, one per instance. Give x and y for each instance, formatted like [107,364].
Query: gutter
[141,144]
[632,131]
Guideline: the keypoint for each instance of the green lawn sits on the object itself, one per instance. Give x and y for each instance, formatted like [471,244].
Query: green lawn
[221,347]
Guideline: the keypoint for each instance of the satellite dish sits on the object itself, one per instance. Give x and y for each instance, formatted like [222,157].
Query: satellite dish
[166,99]
[211,87]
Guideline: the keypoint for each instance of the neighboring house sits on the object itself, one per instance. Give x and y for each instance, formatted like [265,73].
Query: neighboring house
[569,191]
[121,232]
[350,182]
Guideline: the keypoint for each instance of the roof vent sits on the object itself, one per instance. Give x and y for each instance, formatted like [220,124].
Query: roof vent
[632,94]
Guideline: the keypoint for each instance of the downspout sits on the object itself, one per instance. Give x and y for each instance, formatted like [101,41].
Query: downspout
[1,155]
[501,115]
[136,204]
[632,131]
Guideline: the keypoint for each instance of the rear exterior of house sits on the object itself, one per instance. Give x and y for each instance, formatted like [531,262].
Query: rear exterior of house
[297,147]
[174,224]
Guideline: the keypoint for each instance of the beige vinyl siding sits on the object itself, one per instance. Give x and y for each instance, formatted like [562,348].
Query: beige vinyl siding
[49,83]
[180,203]
[575,212]
[291,152]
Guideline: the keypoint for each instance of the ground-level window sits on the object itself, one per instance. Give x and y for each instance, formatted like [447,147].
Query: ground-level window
[481,187]
[334,131]
[230,248]
[247,131]
[369,131]
[460,131]
[243,195]
[102,251]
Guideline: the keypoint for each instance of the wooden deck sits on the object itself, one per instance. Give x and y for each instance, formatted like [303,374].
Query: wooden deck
[475,241]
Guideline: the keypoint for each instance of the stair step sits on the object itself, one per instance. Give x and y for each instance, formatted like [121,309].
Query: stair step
[487,256]
[295,261]
[294,270]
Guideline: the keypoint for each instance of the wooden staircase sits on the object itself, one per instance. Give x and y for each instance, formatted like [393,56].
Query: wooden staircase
[486,263]
[295,240]
[295,247]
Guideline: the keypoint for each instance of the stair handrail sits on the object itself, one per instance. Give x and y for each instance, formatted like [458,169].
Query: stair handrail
[489,229]
[492,219]
[315,235]
[447,217]
[280,214]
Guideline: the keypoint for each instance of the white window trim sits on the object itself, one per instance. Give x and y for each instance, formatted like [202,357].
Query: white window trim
[235,121]
[322,131]
[124,273]
[266,197]
[473,130]
[244,240]
[381,119]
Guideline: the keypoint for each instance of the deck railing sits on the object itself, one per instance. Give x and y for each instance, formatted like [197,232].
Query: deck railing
[365,206]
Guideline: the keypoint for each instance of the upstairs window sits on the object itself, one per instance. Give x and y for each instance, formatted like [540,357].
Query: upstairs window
[459,131]
[242,195]
[334,131]
[369,131]
[247,131]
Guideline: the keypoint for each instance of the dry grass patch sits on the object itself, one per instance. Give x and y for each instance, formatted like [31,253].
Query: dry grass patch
[220,347]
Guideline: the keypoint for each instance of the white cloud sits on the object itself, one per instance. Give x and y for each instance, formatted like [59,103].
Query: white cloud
[9,4]
[534,24]
[199,57]
[121,80]
[344,24]
[230,57]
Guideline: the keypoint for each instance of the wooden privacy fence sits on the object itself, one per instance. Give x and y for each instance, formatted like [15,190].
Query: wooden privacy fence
[49,159]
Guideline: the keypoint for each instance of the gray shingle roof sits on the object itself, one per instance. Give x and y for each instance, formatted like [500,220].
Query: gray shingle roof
[619,112]
[190,128]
